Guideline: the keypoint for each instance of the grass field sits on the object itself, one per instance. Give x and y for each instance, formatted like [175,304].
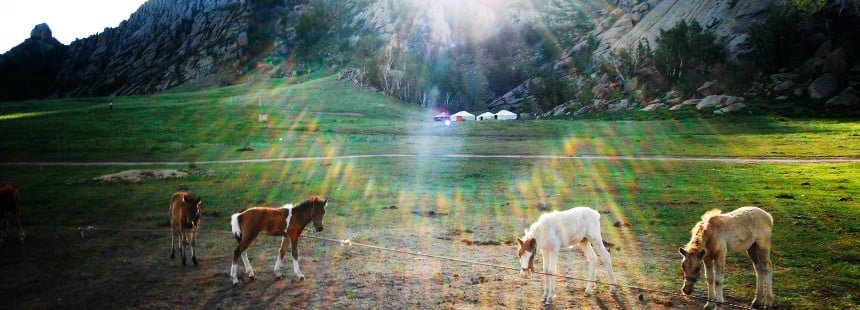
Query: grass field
[463,207]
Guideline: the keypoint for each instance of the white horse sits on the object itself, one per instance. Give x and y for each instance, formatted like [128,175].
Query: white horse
[558,229]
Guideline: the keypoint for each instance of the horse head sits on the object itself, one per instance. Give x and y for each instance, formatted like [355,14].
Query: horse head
[526,253]
[692,267]
[192,203]
[319,211]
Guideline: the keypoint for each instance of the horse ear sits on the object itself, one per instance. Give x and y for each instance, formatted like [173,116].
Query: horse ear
[682,251]
[520,242]
[532,244]
[701,253]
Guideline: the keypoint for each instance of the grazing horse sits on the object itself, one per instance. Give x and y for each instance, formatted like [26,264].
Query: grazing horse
[184,221]
[10,203]
[745,229]
[558,229]
[287,221]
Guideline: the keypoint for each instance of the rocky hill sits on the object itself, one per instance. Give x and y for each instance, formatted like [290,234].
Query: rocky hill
[552,57]
[27,70]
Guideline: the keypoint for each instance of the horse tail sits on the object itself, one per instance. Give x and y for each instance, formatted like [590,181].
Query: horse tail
[234,223]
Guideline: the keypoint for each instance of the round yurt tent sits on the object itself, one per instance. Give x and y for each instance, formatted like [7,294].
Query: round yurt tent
[462,116]
[486,116]
[505,114]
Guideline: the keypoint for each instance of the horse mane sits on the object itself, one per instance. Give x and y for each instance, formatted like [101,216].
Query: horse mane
[537,226]
[307,203]
[698,230]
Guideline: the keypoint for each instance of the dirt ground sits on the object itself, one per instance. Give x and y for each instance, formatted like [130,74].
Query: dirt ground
[93,268]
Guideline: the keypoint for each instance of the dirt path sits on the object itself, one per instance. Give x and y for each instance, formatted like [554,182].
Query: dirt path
[738,160]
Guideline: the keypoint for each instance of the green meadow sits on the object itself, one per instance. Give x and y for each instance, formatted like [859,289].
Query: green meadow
[648,204]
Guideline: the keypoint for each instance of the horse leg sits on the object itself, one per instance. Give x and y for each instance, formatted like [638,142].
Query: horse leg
[183,242]
[194,243]
[764,290]
[607,262]
[544,268]
[294,243]
[239,252]
[5,220]
[719,278]
[709,278]
[280,257]
[590,260]
[172,240]
[21,235]
[768,276]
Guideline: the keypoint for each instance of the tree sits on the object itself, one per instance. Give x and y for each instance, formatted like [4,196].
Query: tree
[687,52]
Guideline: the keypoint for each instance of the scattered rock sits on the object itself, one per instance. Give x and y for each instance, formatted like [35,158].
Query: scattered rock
[731,109]
[710,88]
[824,87]
[843,101]
[785,196]
[717,101]
[138,175]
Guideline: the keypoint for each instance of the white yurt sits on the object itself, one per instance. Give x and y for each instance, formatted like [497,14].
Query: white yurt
[486,116]
[462,116]
[505,114]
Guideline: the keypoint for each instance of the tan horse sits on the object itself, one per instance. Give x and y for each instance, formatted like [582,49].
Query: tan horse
[745,229]
[10,203]
[184,221]
[287,221]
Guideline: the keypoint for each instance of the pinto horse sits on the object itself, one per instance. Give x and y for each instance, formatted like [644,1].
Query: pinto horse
[184,221]
[561,229]
[287,221]
[745,229]
[10,203]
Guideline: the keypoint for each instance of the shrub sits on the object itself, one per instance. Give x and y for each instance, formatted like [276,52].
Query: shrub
[773,44]
[686,53]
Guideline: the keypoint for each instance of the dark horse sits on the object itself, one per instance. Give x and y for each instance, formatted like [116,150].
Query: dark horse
[10,203]
[184,223]
[286,221]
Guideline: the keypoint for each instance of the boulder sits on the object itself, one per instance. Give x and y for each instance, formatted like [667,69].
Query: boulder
[812,66]
[733,108]
[835,62]
[686,103]
[783,86]
[717,101]
[654,107]
[710,88]
[843,101]
[824,87]
[824,49]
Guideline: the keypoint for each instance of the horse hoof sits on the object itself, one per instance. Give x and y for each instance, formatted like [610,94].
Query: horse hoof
[172,256]
[251,279]
[302,278]
[194,260]
[183,261]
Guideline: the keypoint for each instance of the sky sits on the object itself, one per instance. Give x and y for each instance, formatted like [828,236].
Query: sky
[68,19]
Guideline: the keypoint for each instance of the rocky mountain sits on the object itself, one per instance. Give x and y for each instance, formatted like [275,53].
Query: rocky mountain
[553,57]
[23,70]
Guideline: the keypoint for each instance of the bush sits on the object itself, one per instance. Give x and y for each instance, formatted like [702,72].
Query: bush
[313,24]
[686,53]
[773,44]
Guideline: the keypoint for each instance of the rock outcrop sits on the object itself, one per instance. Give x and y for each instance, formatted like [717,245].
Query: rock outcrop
[730,19]
[29,69]
[164,44]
